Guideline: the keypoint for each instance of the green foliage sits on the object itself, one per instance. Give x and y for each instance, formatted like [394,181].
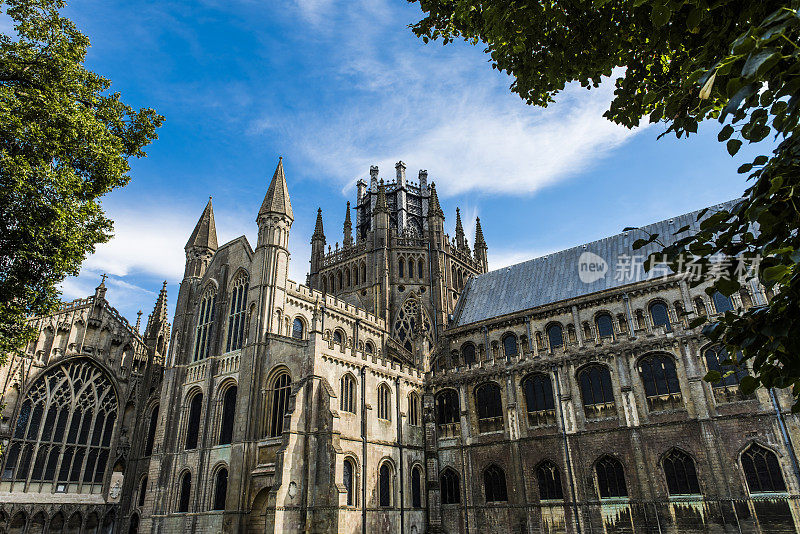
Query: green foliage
[65,141]
[684,61]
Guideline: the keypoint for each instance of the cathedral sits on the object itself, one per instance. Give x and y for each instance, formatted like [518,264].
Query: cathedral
[402,388]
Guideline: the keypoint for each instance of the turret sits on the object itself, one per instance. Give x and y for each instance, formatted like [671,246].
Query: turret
[348,229]
[373,177]
[480,246]
[201,245]
[380,217]
[423,181]
[274,220]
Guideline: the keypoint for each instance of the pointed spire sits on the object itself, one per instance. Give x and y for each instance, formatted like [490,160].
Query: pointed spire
[160,309]
[434,209]
[138,321]
[479,241]
[318,231]
[381,205]
[348,228]
[459,226]
[277,197]
[205,233]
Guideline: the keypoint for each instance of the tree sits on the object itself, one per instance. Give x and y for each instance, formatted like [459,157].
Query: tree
[684,61]
[65,141]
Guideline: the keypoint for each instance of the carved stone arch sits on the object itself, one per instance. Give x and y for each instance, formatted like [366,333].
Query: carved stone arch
[410,319]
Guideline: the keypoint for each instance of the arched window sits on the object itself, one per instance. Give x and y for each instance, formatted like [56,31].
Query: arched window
[680,473]
[236,314]
[400,265]
[494,484]
[416,487]
[679,312]
[355,275]
[228,415]
[610,478]
[596,390]
[193,425]
[68,414]
[660,379]
[348,479]
[448,416]
[450,487]
[324,284]
[385,484]
[185,492]
[721,302]
[132,529]
[347,403]
[347,277]
[468,354]
[369,348]
[384,402]
[405,323]
[297,328]
[151,432]
[659,316]
[762,470]
[339,279]
[338,338]
[549,479]
[726,389]
[490,407]
[510,345]
[420,269]
[539,400]
[142,491]
[278,398]
[205,321]
[363,273]
[413,409]
[700,307]
[555,336]
[220,488]
[605,326]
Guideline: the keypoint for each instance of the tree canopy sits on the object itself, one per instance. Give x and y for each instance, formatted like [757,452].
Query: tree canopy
[65,141]
[684,61]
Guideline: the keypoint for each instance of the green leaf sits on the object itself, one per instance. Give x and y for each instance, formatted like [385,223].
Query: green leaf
[747,167]
[733,146]
[748,384]
[712,376]
[725,133]
[760,61]
[660,15]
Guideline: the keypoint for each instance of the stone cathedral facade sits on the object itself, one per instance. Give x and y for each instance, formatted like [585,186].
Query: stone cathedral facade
[404,388]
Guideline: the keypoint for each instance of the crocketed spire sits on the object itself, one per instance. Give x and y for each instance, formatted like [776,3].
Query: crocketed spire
[434,209]
[460,239]
[160,314]
[318,231]
[381,205]
[205,233]
[277,197]
[479,241]
[348,228]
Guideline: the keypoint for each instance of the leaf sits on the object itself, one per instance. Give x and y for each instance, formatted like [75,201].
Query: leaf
[681,229]
[747,167]
[762,59]
[660,14]
[733,103]
[725,133]
[713,376]
[733,146]
[774,273]
[748,384]
[760,160]
[705,92]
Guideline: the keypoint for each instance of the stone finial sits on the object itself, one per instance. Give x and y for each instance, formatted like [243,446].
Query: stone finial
[381,205]
[434,209]
[348,228]
[318,231]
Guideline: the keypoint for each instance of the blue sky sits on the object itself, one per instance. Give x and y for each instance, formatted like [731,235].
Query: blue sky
[334,87]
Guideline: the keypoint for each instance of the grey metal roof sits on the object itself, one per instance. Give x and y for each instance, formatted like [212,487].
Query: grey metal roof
[556,277]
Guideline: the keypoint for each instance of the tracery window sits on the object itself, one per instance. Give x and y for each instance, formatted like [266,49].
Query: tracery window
[421,269]
[228,415]
[549,479]
[413,409]
[347,403]
[510,345]
[539,401]
[494,484]
[762,470]
[660,316]
[448,417]
[726,389]
[278,391]
[660,379]
[610,478]
[385,484]
[338,338]
[490,407]
[596,390]
[680,473]
[416,487]
[555,336]
[297,328]
[151,432]
[220,488]
[400,266]
[67,418]
[193,426]
[205,322]
[348,478]
[384,402]
[410,319]
[450,487]
[468,353]
[363,273]
[721,302]
[236,314]
[185,492]
[605,326]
